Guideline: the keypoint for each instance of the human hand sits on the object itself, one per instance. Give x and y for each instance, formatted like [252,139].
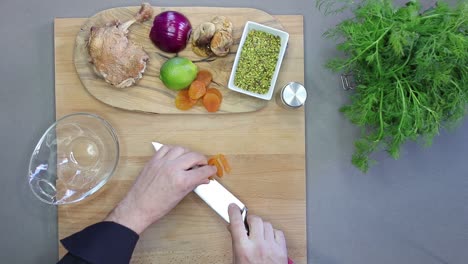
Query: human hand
[264,245]
[165,180]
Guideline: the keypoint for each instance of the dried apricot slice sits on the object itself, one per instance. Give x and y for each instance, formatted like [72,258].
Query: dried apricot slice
[215,91]
[183,100]
[225,163]
[197,90]
[212,102]
[205,76]
[214,162]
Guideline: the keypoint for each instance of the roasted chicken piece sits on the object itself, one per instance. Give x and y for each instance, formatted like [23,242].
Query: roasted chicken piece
[114,57]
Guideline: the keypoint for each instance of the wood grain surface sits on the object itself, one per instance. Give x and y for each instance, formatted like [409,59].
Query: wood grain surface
[150,94]
[266,149]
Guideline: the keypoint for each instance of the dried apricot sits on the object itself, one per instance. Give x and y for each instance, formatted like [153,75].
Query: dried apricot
[183,100]
[214,162]
[205,76]
[197,90]
[212,102]
[225,163]
[215,91]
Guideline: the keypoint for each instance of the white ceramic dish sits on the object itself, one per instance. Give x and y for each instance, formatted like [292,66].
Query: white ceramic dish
[284,42]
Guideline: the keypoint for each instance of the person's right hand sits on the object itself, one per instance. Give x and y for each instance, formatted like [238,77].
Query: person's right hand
[264,245]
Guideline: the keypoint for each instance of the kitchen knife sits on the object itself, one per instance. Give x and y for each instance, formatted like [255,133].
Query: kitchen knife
[216,196]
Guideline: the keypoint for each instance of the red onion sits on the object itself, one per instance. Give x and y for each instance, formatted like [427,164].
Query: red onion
[171,31]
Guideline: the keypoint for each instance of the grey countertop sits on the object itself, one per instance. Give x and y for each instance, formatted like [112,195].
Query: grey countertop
[414,210]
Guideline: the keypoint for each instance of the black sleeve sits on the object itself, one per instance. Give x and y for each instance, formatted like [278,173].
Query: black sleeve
[72,259]
[104,242]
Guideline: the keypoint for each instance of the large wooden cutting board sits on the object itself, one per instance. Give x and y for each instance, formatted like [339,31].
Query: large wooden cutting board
[266,149]
[150,94]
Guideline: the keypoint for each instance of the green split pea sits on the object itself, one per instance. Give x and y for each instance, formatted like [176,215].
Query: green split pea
[257,62]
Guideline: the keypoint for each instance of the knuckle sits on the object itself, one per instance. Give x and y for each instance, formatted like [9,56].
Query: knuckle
[237,226]
[200,156]
[254,219]
[279,234]
[179,149]
[209,170]
[195,156]
[165,147]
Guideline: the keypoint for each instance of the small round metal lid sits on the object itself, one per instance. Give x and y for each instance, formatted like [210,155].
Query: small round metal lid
[294,94]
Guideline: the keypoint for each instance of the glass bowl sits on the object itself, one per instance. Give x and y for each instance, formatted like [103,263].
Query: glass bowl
[74,158]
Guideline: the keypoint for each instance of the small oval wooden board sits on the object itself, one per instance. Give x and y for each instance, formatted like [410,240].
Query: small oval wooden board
[150,94]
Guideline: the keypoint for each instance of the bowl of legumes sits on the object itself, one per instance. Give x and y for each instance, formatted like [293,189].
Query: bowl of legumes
[258,60]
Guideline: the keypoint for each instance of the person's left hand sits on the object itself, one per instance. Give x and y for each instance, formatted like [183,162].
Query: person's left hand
[166,179]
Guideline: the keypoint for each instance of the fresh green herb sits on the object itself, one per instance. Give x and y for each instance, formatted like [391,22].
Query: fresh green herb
[411,71]
[257,62]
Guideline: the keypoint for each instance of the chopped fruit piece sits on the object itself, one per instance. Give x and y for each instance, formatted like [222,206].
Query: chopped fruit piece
[197,90]
[183,100]
[212,102]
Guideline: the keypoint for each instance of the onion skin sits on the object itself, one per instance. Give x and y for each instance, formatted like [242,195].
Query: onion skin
[171,31]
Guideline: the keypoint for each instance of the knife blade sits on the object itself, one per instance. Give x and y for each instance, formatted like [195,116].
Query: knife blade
[216,196]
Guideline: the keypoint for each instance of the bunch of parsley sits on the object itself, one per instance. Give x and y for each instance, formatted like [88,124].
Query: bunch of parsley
[410,67]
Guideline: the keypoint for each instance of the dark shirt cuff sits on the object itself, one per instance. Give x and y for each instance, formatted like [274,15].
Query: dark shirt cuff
[104,242]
